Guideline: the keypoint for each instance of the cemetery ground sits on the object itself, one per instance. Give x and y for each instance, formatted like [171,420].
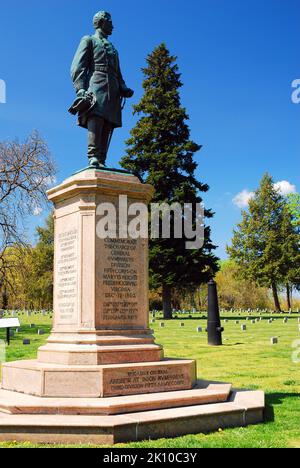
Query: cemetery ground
[247,360]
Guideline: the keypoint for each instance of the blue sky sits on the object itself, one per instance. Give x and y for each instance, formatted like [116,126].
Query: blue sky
[237,58]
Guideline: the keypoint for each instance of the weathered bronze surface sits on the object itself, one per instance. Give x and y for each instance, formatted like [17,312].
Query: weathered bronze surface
[100,88]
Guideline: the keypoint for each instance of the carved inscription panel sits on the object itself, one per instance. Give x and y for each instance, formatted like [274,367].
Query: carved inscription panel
[66,274]
[122,283]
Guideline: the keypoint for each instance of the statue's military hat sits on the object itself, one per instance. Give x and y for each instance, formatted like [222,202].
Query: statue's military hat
[83,105]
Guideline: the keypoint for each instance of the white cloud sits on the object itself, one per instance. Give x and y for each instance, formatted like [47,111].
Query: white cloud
[285,187]
[37,211]
[241,200]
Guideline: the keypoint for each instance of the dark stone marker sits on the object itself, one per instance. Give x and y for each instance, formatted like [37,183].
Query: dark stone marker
[214,328]
[26,342]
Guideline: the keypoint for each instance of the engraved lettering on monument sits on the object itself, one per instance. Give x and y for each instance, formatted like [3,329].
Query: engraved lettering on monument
[67,276]
[120,281]
[143,380]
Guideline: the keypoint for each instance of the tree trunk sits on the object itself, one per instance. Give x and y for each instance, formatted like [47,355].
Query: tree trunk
[167,296]
[276,298]
[288,297]
[4,299]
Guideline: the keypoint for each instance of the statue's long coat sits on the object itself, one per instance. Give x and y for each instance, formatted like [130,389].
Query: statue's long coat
[96,68]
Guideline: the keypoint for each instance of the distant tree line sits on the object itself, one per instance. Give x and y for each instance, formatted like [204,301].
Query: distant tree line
[265,244]
[29,281]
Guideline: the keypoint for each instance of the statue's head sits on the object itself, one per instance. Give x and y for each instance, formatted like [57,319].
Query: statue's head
[102,20]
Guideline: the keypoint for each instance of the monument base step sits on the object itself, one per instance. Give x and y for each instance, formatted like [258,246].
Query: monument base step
[53,380]
[95,355]
[242,409]
[202,393]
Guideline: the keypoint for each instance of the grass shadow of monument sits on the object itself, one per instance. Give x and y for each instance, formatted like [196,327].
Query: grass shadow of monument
[275,399]
[225,345]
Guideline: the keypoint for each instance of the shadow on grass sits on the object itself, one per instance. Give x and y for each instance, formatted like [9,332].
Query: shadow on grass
[232,344]
[278,398]
[273,399]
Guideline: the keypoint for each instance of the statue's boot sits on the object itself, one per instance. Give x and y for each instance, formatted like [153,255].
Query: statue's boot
[94,162]
[102,159]
[97,161]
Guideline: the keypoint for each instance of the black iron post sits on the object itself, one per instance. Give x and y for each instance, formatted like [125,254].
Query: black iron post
[8,336]
[214,329]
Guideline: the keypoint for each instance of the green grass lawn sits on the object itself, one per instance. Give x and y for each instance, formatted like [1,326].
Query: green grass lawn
[247,360]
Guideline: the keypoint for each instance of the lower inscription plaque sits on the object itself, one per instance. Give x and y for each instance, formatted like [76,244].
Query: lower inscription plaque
[146,380]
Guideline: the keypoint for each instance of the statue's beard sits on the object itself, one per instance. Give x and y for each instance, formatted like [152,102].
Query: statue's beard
[106,32]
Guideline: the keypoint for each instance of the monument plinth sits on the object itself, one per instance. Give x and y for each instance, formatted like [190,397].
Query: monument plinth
[100,285]
[101,344]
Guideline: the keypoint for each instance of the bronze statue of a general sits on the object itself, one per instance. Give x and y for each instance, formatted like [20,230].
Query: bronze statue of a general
[100,88]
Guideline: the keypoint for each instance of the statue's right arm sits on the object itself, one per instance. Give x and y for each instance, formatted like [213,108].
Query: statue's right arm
[81,64]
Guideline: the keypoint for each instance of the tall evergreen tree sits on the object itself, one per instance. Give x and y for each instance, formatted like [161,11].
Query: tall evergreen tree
[265,244]
[161,152]
[290,233]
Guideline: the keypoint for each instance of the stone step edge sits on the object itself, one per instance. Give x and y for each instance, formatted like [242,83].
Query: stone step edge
[88,348]
[137,426]
[34,364]
[25,404]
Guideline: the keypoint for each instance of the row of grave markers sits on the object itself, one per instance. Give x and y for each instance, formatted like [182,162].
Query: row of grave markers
[273,340]
[28,313]
[260,312]
[239,312]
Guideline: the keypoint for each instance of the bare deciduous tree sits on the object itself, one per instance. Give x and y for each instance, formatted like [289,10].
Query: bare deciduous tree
[26,171]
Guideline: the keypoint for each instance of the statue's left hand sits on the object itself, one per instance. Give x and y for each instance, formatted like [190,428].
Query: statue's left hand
[81,93]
